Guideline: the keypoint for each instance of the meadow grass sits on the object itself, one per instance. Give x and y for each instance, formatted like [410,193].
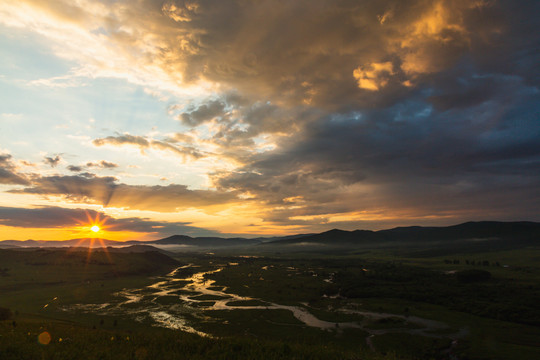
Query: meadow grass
[491,315]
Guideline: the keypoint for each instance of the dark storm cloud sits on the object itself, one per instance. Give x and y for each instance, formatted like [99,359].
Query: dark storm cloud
[478,157]
[108,191]
[57,217]
[8,172]
[459,140]
[333,54]
[443,91]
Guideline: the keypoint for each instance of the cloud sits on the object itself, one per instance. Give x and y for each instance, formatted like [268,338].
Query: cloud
[8,172]
[303,52]
[203,113]
[74,168]
[238,128]
[44,217]
[325,112]
[80,187]
[125,139]
[102,164]
[306,50]
[143,144]
[328,55]
[52,161]
[409,161]
[184,151]
[374,76]
[107,191]
[58,217]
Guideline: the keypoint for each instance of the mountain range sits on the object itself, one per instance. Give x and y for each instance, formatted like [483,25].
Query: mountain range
[470,233]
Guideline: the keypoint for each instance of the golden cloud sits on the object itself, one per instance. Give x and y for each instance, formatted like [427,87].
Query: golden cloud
[373,76]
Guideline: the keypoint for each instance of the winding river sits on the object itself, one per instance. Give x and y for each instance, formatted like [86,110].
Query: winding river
[178,302]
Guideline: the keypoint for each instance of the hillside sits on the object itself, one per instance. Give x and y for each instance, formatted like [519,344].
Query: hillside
[470,236]
[25,266]
[482,235]
[205,242]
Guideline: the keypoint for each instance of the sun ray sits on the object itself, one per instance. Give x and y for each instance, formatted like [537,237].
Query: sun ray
[93,226]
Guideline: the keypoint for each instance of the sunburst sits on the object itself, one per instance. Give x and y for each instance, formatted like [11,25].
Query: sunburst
[93,227]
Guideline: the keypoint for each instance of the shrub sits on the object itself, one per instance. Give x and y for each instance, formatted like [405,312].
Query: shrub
[5,314]
[473,275]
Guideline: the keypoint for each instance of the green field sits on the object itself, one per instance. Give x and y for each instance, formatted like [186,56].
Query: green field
[372,305]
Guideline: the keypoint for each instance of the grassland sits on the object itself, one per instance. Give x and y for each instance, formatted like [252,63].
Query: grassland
[485,318]
[499,317]
[70,340]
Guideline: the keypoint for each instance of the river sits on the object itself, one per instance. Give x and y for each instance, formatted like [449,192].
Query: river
[179,302]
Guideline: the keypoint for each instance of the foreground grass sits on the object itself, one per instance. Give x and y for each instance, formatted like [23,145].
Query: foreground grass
[72,341]
[500,314]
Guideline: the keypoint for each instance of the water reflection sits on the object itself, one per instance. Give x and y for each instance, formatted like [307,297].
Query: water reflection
[178,302]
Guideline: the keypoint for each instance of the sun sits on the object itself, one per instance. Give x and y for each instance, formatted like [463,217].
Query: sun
[95,225]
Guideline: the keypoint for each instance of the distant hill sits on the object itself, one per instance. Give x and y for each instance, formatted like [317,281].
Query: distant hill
[7,246]
[137,249]
[88,242]
[417,240]
[484,230]
[470,235]
[178,240]
[279,238]
[64,263]
[204,242]
[334,236]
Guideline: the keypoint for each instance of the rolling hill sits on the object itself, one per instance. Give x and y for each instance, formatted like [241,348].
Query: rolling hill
[471,235]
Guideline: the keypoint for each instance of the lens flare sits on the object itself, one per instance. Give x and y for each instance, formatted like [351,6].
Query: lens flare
[44,338]
[94,226]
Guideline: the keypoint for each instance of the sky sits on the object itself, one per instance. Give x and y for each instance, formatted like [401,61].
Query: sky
[258,118]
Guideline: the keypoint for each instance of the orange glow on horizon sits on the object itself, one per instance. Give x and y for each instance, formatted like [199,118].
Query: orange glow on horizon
[77,232]
[88,228]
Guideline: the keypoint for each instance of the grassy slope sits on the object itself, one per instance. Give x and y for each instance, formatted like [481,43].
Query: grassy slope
[37,281]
